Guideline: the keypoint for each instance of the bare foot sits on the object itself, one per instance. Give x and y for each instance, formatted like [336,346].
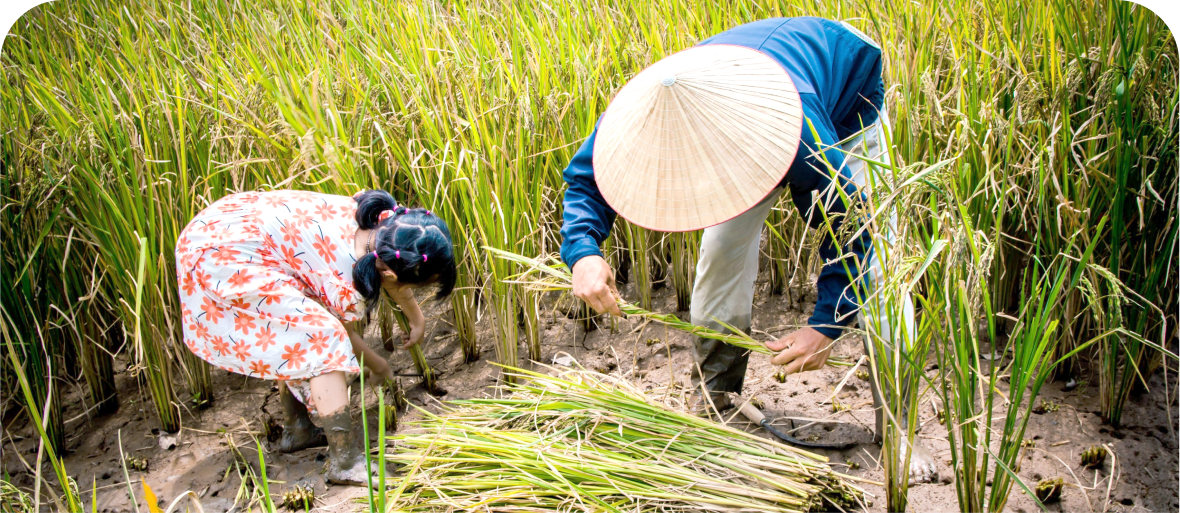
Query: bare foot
[923,469]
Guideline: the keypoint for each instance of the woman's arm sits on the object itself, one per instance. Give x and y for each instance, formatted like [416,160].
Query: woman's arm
[373,361]
[403,296]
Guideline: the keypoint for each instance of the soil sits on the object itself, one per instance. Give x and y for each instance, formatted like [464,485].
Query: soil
[1142,475]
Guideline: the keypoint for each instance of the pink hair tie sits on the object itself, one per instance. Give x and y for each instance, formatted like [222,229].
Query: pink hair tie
[385,214]
[397,254]
[375,255]
[423,257]
[427,212]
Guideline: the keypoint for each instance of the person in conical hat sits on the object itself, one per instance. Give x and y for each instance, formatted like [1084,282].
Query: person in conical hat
[708,138]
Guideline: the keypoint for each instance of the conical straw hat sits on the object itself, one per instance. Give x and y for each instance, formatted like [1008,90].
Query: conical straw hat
[698,138]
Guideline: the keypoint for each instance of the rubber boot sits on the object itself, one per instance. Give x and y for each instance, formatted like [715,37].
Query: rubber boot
[346,454]
[298,431]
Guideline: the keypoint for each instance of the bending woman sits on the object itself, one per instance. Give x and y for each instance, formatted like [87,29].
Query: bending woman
[274,285]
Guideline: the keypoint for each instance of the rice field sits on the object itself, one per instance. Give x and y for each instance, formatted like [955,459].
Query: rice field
[1034,149]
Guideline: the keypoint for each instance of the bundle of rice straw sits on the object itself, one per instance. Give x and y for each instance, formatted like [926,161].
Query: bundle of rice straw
[583,441]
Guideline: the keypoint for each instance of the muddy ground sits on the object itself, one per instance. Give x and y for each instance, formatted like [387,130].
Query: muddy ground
[1141,477]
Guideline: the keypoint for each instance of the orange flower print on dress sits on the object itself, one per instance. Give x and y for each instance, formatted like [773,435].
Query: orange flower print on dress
[325,248]
[291,234]
[260,369]
[220,345]
[319,342]
[290,320]
[348,234]
[188,284]
[294,355]
[212,311]
[265,338]
[270,297]
[241,350]
[240,304]
[202,278]
[240,278]
[210,226]
[314,319]
[326,211]
[225,255]
[336,360]
[291,258]
[244,322]
[302,218]
[199,330]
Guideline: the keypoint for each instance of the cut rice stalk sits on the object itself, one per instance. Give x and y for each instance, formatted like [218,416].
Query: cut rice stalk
[585,441]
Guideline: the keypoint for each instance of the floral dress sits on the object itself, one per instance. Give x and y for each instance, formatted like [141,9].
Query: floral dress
[266,282]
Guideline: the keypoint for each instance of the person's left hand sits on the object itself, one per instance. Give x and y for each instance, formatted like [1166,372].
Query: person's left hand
[801,350]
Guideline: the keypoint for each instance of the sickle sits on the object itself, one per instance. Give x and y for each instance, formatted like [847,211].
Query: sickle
[755,415]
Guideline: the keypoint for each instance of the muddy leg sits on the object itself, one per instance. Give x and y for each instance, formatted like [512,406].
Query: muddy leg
[346,455]
[298,431]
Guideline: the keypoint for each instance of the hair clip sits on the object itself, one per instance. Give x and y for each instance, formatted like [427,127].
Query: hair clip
[427,212]
[423,257]
[397,254]
[385,214]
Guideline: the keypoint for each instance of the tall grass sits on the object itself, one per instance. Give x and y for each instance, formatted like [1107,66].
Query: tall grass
[124,120]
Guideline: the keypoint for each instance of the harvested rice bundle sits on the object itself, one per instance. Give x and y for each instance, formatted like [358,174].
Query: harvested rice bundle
[583,441]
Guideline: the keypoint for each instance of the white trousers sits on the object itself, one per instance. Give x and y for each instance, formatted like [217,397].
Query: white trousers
[728,267]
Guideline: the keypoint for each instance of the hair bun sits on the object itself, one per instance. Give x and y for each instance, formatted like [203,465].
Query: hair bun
[370,205]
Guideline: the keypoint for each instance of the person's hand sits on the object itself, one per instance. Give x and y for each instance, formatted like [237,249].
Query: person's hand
[801,350]
[594,283]
[414,336]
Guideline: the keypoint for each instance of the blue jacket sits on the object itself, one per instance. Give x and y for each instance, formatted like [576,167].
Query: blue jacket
[838,75]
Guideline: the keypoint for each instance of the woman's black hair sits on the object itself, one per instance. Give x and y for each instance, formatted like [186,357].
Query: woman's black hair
[414,243]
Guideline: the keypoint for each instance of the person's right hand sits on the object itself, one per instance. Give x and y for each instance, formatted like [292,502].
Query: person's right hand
[594,283]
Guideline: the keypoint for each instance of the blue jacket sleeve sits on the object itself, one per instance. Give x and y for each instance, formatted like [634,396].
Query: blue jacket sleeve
[837,298]
[587,217]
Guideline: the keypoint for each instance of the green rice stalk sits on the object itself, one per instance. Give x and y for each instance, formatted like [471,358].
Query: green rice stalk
[554,275]
[530,315]
[642,268]
[157,369]
[97,365]
[69,490]
[685,249]
[429,380]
